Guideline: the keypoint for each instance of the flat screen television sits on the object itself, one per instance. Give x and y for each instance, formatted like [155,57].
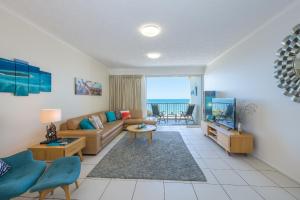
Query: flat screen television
[223,111]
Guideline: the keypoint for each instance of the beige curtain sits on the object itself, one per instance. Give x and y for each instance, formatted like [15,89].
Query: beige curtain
[125,92]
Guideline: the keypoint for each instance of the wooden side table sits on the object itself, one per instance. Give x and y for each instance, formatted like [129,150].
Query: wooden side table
[50,153]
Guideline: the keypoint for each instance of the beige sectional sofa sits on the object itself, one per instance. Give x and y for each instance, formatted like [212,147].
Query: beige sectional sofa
[97,139]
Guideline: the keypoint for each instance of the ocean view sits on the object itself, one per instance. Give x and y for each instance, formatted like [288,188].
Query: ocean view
[168,100]
[169,106]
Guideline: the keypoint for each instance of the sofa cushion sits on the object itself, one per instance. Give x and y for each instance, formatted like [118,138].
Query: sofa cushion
[111,117]
[98,121]
[86,124]
[125,114]
[73,124]
[110,128]
[103,118]
[95,120]
[133,121]
[91,119]
[118,115]
[136,114]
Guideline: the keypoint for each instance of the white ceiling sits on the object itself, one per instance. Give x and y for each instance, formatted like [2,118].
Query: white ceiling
[194,32]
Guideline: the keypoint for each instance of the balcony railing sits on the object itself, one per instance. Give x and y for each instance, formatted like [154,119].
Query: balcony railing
[170,110]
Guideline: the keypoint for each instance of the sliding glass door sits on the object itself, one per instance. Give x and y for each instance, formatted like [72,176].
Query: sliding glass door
[172,96]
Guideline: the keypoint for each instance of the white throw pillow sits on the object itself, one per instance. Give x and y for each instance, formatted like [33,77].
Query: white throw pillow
[96,126]
[98,121]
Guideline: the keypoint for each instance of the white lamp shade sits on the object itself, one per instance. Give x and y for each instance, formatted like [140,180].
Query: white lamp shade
[50,115]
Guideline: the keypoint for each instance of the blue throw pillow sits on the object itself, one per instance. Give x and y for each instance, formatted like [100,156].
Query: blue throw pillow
[86,124]
[111,116]
[3,167]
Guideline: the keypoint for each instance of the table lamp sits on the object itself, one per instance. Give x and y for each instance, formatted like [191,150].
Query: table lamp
[49,116]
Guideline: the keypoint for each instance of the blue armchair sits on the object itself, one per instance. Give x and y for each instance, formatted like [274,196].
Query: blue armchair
[24,173]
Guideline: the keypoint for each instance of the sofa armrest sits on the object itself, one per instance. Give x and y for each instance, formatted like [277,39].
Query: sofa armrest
[93,139]
[150,121]
[79,133]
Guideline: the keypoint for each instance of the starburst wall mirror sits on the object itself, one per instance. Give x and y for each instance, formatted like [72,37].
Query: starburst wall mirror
[287,65]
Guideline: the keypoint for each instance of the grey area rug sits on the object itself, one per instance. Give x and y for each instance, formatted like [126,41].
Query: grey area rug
[167,158]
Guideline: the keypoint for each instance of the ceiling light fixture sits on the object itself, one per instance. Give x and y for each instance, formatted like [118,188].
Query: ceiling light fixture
[153,55]
[150,30]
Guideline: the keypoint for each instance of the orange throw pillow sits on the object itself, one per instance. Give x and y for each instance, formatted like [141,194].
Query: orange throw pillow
[125,115]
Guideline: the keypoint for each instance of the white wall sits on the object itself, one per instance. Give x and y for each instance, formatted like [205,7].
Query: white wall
[246,72]
[19,116]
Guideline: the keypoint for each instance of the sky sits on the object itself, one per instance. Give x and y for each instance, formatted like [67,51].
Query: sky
[168,88]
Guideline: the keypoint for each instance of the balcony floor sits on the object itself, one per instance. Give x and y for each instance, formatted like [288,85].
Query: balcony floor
[173,122]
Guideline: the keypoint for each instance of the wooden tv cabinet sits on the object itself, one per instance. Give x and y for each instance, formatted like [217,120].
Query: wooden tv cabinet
[230,140]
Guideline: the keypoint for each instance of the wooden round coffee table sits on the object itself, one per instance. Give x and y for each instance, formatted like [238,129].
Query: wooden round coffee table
[134,130]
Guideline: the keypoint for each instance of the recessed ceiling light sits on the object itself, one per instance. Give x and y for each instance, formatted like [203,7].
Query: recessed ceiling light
[153,55]
[150,30]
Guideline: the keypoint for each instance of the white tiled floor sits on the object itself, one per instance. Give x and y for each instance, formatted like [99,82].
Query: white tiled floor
[294,191]
[119,189]
[274,193]
[149,190]
[179,191]
[90,189]
[255,178]
[228,177]
[207,191]
[241,193]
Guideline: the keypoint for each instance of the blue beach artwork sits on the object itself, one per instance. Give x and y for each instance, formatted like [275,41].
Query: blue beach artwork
[7,76]
[22,79]
[45,81]
[34,80]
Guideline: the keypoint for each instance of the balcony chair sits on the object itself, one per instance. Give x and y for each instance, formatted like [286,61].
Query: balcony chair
[156,113]
[188,114]
[23,174]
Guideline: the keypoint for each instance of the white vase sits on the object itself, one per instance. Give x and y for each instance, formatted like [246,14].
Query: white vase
[239,127]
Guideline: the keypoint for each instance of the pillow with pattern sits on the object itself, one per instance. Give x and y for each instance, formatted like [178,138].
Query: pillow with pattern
[3,167]
[118,115]
[98,121]
[92,120]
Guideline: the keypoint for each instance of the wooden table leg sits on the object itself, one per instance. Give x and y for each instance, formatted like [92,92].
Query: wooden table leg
[67,192]
[80,155]
[77,184]
[150,137]
[132,135]
[43,194]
